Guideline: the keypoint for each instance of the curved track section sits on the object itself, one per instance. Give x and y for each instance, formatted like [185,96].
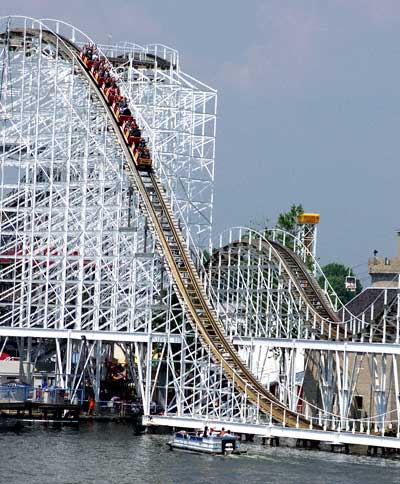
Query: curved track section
[190,289]
[275,270]
[309,286]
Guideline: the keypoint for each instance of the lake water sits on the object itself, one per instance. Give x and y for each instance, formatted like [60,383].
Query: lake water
[110,453]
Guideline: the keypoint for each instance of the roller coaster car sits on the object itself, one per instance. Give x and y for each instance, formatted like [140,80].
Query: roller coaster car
[144,160]
[133,140]
[144,163]
[123,118]
[94,66]
[84,57]
[135,152]
[88,62]
[130,124]
[115,107]
[109,95]
[100,80]
[126,128]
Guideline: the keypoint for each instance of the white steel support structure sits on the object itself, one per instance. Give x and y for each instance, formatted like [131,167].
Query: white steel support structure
[181,114]
[82,269]
[339,372]
[77,254]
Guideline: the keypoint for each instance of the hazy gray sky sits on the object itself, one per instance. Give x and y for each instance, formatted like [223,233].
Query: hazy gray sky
[309,106]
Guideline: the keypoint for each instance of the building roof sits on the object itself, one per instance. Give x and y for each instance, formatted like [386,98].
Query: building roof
[371,300]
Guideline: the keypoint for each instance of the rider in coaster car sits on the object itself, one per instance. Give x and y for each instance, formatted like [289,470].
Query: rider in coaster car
[144,153]
[124,108]
[109,82]
[102,71]
[135,131]
[87,51]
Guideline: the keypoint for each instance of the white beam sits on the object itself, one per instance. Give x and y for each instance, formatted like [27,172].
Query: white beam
[89,335]
[352,347]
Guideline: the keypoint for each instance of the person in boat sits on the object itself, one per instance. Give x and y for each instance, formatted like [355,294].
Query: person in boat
[205,432]
[222,433]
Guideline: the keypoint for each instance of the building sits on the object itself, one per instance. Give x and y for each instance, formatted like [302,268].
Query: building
[385,271]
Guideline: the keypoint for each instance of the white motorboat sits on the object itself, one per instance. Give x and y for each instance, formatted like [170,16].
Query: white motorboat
[227,444]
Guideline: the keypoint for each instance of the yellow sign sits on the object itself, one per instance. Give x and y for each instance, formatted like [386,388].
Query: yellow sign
[308,218]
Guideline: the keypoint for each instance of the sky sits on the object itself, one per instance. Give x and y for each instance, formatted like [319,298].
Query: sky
[309,107]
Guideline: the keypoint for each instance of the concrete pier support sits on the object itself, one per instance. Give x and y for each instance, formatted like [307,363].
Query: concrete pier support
[271,441]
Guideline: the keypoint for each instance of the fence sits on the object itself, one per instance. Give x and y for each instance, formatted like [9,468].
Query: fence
[51,395]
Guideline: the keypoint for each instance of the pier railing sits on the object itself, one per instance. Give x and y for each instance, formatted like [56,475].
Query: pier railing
[52,395]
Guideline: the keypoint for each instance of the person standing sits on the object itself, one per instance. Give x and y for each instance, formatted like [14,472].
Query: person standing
[91,406]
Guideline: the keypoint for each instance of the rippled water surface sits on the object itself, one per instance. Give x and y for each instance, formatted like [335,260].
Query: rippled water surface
[111,453]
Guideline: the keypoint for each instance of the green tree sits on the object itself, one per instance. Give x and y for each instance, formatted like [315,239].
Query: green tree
[287,220]
[336,275]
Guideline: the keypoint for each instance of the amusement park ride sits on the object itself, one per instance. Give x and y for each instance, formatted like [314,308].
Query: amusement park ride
[102,246]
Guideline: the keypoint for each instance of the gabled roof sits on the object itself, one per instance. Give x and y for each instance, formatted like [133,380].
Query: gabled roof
[371,300]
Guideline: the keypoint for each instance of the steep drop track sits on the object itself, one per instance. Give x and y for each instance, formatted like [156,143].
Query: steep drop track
[190,289]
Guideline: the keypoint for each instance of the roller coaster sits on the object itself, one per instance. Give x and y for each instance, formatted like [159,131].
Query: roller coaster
[101,246]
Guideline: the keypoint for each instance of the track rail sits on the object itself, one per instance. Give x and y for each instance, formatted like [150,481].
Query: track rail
[312,293]
[310,288]
[189,287]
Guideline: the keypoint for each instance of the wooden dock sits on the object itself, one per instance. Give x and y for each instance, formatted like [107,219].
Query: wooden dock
[51,412]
